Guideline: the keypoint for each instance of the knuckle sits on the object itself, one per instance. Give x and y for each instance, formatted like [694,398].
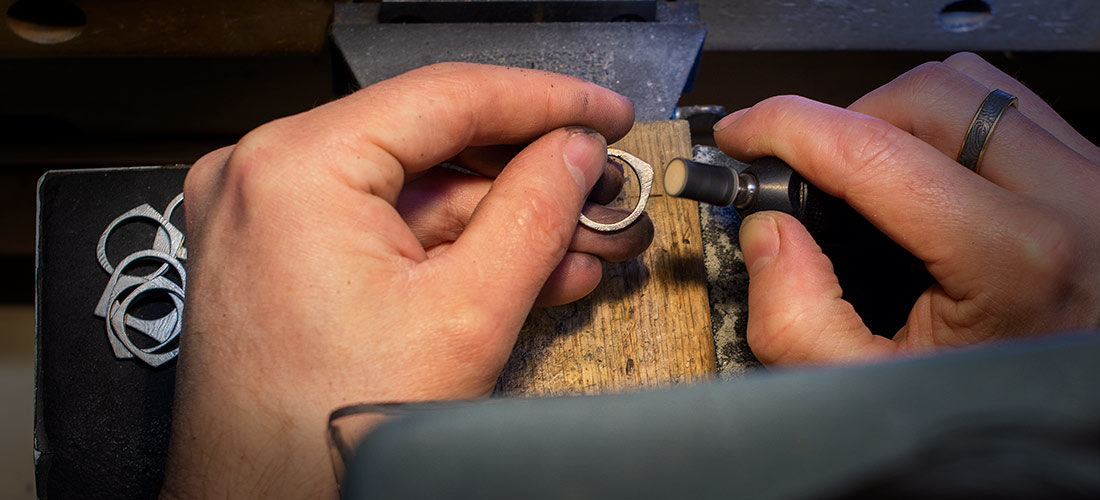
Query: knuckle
[930,73]
[767,348]
[933,80]
[930,90]
[202,176]
[931,83]
[447,89]
[777,103]
[427,74]
[540,218]
[919,98]
[1044,280]
[194,188]
[631,242]
[466,335]
[775,107]
[1049,251]
[776,338]
[250,168]
[777,111]
[446,67]
[789,333]
[869,146]
[964,60]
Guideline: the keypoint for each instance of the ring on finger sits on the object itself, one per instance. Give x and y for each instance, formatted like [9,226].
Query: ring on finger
[981,127]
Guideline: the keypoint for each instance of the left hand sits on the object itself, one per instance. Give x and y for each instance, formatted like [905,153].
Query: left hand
[331,265]
[438,204]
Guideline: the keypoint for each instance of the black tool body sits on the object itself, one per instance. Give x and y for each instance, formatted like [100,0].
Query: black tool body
[880,278]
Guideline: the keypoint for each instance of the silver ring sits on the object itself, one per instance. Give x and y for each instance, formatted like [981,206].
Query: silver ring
[644,172]
[981,127]
[116,326]
[168,239]
[164,329]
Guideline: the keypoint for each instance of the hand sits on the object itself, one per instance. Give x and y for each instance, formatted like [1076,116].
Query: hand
[331,264]
[1014,250]
[438,204]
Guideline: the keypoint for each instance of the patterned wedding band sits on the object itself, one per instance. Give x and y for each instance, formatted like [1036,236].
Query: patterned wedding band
[981,127]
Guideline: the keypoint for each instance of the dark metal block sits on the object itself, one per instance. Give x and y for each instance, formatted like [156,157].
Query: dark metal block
[516,11]
[975,25]
[650,63]
[102,424]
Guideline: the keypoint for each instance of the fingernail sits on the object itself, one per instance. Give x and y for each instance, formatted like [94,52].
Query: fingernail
[729,119]
[759,238]
[585,154]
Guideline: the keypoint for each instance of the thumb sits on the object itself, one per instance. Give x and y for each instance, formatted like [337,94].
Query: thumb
[521,229]
[796,313]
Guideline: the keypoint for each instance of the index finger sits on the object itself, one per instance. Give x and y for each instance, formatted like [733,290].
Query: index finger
[908,189]
[432,113]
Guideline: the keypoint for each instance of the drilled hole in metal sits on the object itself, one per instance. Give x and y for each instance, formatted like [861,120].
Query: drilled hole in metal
[46,22]
[965,16]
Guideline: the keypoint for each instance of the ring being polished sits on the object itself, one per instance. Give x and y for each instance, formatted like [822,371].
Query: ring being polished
[981,127]
[644,172]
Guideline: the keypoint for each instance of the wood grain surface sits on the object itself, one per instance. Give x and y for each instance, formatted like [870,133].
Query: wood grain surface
[648,323]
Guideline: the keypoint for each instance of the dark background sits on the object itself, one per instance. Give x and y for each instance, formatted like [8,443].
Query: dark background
[161,82]
[149,83]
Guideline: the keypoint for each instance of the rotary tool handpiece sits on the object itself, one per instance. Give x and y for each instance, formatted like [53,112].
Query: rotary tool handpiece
[879,277]
[765,184]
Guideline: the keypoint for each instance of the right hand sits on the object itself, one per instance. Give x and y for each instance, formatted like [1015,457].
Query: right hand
[1014,251]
